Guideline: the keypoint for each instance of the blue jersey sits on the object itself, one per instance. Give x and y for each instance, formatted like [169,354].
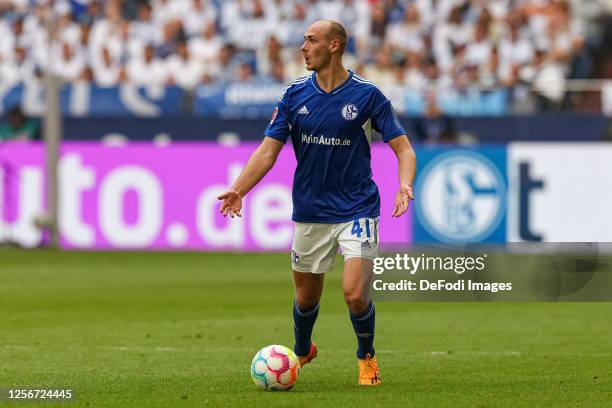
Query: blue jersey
[331,135]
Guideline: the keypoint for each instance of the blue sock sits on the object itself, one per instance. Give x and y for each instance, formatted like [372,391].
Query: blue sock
[303,322]
[363,323]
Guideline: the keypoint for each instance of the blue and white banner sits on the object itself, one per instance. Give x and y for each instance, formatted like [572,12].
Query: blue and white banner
[238,100]
[83,99]
[249,100]
[456,103]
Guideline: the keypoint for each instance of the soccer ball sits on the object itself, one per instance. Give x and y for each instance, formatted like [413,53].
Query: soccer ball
[275,368]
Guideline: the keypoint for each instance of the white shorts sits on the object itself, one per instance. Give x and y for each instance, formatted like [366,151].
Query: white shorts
[315,245]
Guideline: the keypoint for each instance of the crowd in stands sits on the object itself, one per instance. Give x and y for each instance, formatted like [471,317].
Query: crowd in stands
[421,45]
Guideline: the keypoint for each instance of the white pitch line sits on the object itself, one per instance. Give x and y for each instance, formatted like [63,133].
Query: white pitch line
[178,349]
[476,352]
[161,349]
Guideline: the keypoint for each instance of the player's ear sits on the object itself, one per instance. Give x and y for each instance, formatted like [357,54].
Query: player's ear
[334,45]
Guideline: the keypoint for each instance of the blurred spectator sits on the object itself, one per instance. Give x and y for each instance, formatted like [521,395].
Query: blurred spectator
[206,47]
[478,51]
[489,71]
[406,36]
[15,70]
[292,29]
[147,69]
[277,73]
[142,31]
[9,36]
[434,126]
[378,25]
[167,14]
[93,12]
[268,56]
[68,62]
[548,81]
[68,31]
[515,51]
[17,126]
[245,73]
[251,25]
[184,69]
[110,32]
[381,71]
[172,34]
[201,15]
[109,71]
[294,68]
[414,76]
[450,34]
[434,80]
[227,67]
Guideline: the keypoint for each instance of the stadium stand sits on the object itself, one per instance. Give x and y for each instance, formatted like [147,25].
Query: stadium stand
[498,70]
[446,45]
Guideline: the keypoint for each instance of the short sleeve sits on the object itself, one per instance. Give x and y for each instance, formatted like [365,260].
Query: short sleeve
[385,121]
[278,128]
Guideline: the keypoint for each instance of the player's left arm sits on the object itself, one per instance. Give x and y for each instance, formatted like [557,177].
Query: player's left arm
[407,170]
[385,121]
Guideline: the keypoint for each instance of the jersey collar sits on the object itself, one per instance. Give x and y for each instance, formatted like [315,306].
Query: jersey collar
[313,79]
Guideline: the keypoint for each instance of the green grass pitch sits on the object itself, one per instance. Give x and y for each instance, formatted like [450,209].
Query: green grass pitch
[180,330]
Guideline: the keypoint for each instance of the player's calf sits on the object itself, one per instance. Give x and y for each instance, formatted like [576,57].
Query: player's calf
[303,323]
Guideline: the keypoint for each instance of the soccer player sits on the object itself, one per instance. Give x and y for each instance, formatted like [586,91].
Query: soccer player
[329,115]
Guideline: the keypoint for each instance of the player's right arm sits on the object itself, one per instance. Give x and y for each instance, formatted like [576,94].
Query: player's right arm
[258,165]
[260,162]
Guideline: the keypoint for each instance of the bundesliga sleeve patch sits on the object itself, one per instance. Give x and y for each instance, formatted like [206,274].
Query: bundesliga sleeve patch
[274,113]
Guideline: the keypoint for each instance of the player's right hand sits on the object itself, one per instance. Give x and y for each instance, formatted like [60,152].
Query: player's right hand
[232,203]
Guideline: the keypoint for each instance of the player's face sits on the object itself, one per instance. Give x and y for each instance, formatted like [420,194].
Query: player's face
[316,48]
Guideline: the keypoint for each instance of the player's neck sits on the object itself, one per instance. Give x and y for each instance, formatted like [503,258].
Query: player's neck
[331,76]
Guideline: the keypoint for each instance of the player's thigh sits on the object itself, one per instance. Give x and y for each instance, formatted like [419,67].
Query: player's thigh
[358,242]
[314,248]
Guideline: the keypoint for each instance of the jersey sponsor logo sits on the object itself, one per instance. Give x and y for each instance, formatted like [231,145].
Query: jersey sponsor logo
[323,140]
[462,197]
[303,111]
[349,111]
[274,113]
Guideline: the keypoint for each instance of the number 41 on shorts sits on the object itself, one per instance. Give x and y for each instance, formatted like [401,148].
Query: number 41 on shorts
[357,230]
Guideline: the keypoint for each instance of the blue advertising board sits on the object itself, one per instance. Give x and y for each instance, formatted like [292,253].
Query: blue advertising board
[253,99]
[87,100]
[461,195]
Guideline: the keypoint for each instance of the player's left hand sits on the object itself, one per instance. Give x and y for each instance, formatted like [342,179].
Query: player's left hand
[401,200]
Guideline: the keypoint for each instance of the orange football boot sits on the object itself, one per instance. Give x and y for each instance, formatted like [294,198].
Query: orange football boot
[368,371]
[311,355]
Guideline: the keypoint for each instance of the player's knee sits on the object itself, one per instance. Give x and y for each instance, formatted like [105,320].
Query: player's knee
[306,300]
[355,301]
